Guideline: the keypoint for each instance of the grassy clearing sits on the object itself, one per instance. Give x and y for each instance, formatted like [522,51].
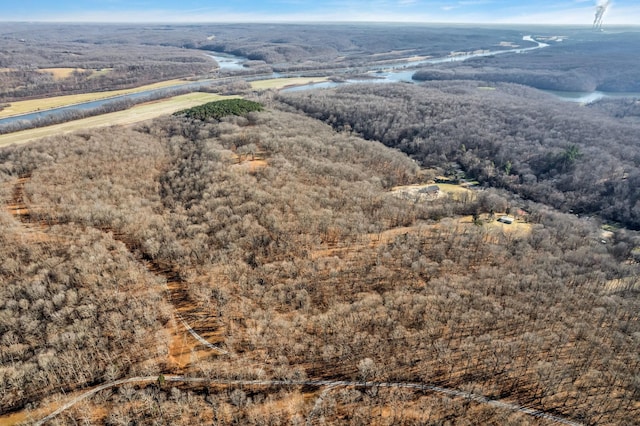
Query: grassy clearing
[250,166]
[136,114]
[448,188]
[24,107]
[460,193]
[457,192]
[518,227]
[102,71]
[280,83]
[61,73]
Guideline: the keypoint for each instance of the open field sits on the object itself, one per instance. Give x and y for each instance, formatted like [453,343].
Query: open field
[457,192]
[519,227]
[136,114]
[62,73]
[24,107]
[280,83]
[132,115]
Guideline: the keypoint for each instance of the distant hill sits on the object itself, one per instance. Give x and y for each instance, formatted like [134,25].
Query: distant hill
[581,62]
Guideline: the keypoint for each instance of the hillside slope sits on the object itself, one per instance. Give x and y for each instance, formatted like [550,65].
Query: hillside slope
[558,153]
[291,246]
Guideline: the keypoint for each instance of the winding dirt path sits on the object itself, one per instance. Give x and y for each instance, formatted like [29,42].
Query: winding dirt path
[177,293]
[31,230]
[317,383]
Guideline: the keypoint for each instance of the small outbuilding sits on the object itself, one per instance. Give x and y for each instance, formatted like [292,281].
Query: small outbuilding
[430,190]
[506,219]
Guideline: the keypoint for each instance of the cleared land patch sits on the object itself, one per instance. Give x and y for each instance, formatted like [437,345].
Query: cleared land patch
[281,83]
[457,192]
[62,73]
[518,227]
[136,114]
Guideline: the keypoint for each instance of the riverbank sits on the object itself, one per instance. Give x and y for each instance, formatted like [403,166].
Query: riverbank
[132,115]
[43,104]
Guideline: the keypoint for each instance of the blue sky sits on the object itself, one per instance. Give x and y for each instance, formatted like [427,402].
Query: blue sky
[563,12]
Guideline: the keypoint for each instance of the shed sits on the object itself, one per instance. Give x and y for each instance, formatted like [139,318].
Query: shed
[430,190]
[506,219]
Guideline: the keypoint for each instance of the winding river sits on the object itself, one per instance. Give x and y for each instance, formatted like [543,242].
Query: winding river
[226,63]
[392,72]
[403,72]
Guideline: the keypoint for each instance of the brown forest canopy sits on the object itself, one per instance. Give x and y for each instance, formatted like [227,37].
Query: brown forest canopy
[289,235]
[570,157]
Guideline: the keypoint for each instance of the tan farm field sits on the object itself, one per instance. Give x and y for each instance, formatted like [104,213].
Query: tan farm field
[62,73]
[281,83]
[133,115]
[24,107]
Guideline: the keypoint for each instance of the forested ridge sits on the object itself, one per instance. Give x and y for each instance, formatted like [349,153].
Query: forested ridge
[27,68]
[564,155]
[582,62]
[38,59]
[293,239]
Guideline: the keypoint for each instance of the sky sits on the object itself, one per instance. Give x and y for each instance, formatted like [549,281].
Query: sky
[560,12]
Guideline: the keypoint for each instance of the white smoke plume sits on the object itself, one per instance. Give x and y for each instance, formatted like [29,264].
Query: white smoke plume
[601,9]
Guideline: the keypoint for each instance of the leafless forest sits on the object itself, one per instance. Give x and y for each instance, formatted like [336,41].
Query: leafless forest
[281,240]
[106,57]
[296,265]
[572,158]
[586,62]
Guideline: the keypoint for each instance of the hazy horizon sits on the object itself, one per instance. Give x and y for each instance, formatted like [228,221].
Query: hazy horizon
[540,12]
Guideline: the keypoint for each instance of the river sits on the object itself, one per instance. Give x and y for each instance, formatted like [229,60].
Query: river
[589,97]
[391,72]
[405,76]
[403,72]
[228,62]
